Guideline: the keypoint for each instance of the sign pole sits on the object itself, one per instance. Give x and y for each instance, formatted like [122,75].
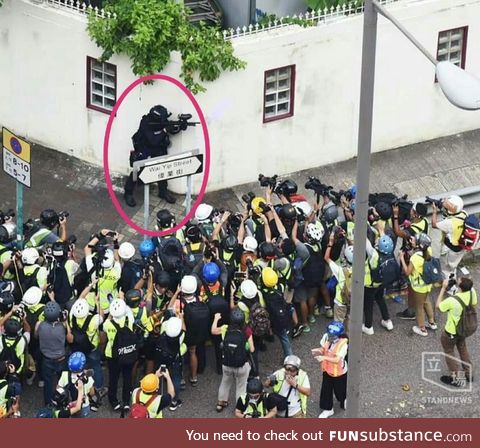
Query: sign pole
[146,207]
[19,214]
[188,198]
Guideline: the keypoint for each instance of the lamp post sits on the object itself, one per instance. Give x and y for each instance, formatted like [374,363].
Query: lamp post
[462,90]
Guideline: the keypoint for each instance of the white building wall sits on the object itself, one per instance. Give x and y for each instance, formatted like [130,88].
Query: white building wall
[43,95]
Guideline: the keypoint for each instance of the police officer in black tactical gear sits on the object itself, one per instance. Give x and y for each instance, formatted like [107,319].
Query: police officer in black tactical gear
[152,140]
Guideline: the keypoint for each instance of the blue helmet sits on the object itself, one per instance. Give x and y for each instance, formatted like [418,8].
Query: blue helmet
[335,328]
[76,362]
[146,248]
[385,245]
[211,272]
[353,191]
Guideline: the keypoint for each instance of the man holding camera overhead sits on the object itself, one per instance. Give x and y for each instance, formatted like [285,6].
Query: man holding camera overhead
[104,263]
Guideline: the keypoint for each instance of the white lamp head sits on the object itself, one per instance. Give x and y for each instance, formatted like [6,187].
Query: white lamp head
[461,88]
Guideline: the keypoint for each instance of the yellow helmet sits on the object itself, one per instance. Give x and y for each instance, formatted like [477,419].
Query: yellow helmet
[269,277]
[256,204]
[149,383]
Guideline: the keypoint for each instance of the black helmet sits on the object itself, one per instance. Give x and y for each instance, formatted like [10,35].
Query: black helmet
[60,249]
[61,397]
[267,250]
[288,211]
[254,386]
[49,218]
[6,302]
[165,219]
[288,187]
[288,246]
[237,317]
[12,327]
[193,234]
[384,210]
[4,235]
[159,113]
[133,298]
[163,279]
[230,243]
[52,311]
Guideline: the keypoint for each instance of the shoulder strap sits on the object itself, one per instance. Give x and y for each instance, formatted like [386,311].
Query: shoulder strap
[35,272]
[150,400]
[461,302]
[117,327]
[87,322]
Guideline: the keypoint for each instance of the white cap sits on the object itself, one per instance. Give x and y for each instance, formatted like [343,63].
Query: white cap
[126,250]
[32,296]
[173,327]
[189,284]
[250,244]
[457,202]
[80,309]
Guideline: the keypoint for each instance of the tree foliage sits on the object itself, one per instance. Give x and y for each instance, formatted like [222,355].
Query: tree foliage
[322,4]
[149,30]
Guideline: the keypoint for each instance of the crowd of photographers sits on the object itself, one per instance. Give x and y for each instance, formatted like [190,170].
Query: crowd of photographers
[234,282]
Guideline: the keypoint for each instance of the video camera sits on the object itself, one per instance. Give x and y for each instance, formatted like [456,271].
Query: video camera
[314,184]
[85,375]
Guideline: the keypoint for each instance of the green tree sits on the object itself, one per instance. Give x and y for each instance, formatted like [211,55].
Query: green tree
[322,4]
[149,30]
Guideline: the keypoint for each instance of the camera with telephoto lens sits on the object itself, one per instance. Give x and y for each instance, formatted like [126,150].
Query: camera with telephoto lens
[451,283]
[268,181]
[253,271]
[314,184]
[85,375]
[63,214]
[437,202]
[248,198]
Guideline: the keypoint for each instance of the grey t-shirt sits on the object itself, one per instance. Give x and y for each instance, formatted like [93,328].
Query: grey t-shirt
[52,339]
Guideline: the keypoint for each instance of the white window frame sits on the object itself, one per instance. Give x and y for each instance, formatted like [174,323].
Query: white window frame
[101,85]
[279,93]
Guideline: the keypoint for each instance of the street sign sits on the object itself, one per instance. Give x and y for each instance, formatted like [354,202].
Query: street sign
[171,169]
[16,158]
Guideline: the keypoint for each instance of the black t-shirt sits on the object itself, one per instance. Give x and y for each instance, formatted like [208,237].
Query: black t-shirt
[242,407]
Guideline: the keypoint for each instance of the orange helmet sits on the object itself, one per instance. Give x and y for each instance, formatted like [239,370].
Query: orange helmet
[150,383]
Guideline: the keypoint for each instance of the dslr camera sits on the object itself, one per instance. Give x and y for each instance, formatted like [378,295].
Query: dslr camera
[268,181]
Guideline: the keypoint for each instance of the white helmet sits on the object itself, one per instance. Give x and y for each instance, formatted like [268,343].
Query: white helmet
[118,308]
[32,296]
[249,289]
[30,255]
[108,259]
[126,250]
[348,254]
[303,207]
[80,309]
[292,360]
[250,244]
[457,202]
[189,284]
[173,327]
[315,233]
[203,212]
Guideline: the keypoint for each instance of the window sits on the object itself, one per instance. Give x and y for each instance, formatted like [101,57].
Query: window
[452,46]
[279,93]
[101,85]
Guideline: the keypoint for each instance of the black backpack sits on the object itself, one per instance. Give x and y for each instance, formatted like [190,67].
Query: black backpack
[468,322]
[61,284]
[314,268]
[387,271]
[197,318]
[124,348]
[170,253]
[27,281]
[81,341]
[9,353]
[234,352]
[167,350]
[82,277]
[193,257]
[278,310]
[131,271]
[217,304]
